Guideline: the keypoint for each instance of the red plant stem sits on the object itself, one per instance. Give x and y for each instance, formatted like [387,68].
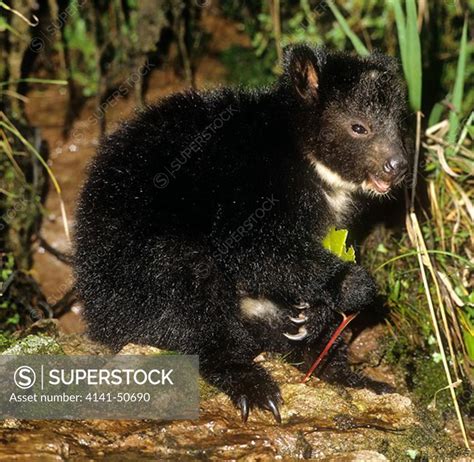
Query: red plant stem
[345,321]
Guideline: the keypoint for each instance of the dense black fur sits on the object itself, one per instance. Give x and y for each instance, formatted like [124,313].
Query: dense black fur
[210,197]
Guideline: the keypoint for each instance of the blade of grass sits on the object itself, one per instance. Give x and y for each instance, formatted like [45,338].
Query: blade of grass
[416,160]
[356,42]
[424,260]
[410,49]
[458,89]
[435,114]
[413,55]
[436,213]
[14,94]
[7,125]
[33,80]
[9,153]
[468,205]
[464,132]
[402,34]
[32,24]
[276,21]
[414,253]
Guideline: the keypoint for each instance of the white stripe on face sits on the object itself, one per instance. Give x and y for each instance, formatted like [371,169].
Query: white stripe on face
[333,178]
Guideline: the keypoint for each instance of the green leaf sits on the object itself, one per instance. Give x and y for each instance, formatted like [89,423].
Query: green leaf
[471,297]
[395,295]
[469,342]
[15,319]
[467,332]
[335,241]
[435,115]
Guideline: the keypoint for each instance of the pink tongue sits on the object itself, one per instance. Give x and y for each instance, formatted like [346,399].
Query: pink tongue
[381,186]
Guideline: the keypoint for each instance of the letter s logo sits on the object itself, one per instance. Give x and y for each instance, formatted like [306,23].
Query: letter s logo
[24,377]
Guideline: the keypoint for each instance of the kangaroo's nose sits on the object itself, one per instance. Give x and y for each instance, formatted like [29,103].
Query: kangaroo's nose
[395,166]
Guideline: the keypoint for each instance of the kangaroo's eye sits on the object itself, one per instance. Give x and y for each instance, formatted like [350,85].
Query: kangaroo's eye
[359,129]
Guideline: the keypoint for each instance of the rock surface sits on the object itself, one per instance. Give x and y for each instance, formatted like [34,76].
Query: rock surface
[319,422]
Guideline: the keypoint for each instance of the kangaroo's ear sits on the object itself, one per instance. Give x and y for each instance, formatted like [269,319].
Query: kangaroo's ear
[301,68]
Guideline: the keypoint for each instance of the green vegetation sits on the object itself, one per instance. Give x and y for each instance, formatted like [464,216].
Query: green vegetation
[424,270]
[244,67]
[5,342]
[426,374]
[34,345]
[335,241]
[23,177]
[431,317]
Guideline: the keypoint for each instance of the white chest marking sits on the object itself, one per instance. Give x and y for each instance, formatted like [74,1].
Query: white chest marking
[340,203]
[339,195]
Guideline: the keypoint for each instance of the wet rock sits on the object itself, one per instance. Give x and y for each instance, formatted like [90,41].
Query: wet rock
[357,456]
[367,350]
[75,344]
[140,350]
[206,390]
[48,327]
[367,347]
[11,423]
[319,421]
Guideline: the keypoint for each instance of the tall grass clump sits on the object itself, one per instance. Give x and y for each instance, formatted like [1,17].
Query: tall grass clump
[24,173]
[439,231]
[426,270]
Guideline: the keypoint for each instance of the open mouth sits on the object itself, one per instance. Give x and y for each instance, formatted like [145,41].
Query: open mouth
[378,184]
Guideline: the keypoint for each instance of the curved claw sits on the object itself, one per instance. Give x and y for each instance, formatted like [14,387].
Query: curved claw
[301,319]
[279,398]
[271,406]
[302,333]
[244,408]
[301,306]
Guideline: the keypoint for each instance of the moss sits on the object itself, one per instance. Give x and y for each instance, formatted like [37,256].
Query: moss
[34,345]
[206,390]
[429,378]
[5,342]
[424,376]
[430,440]
[423,442]
[397,351]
